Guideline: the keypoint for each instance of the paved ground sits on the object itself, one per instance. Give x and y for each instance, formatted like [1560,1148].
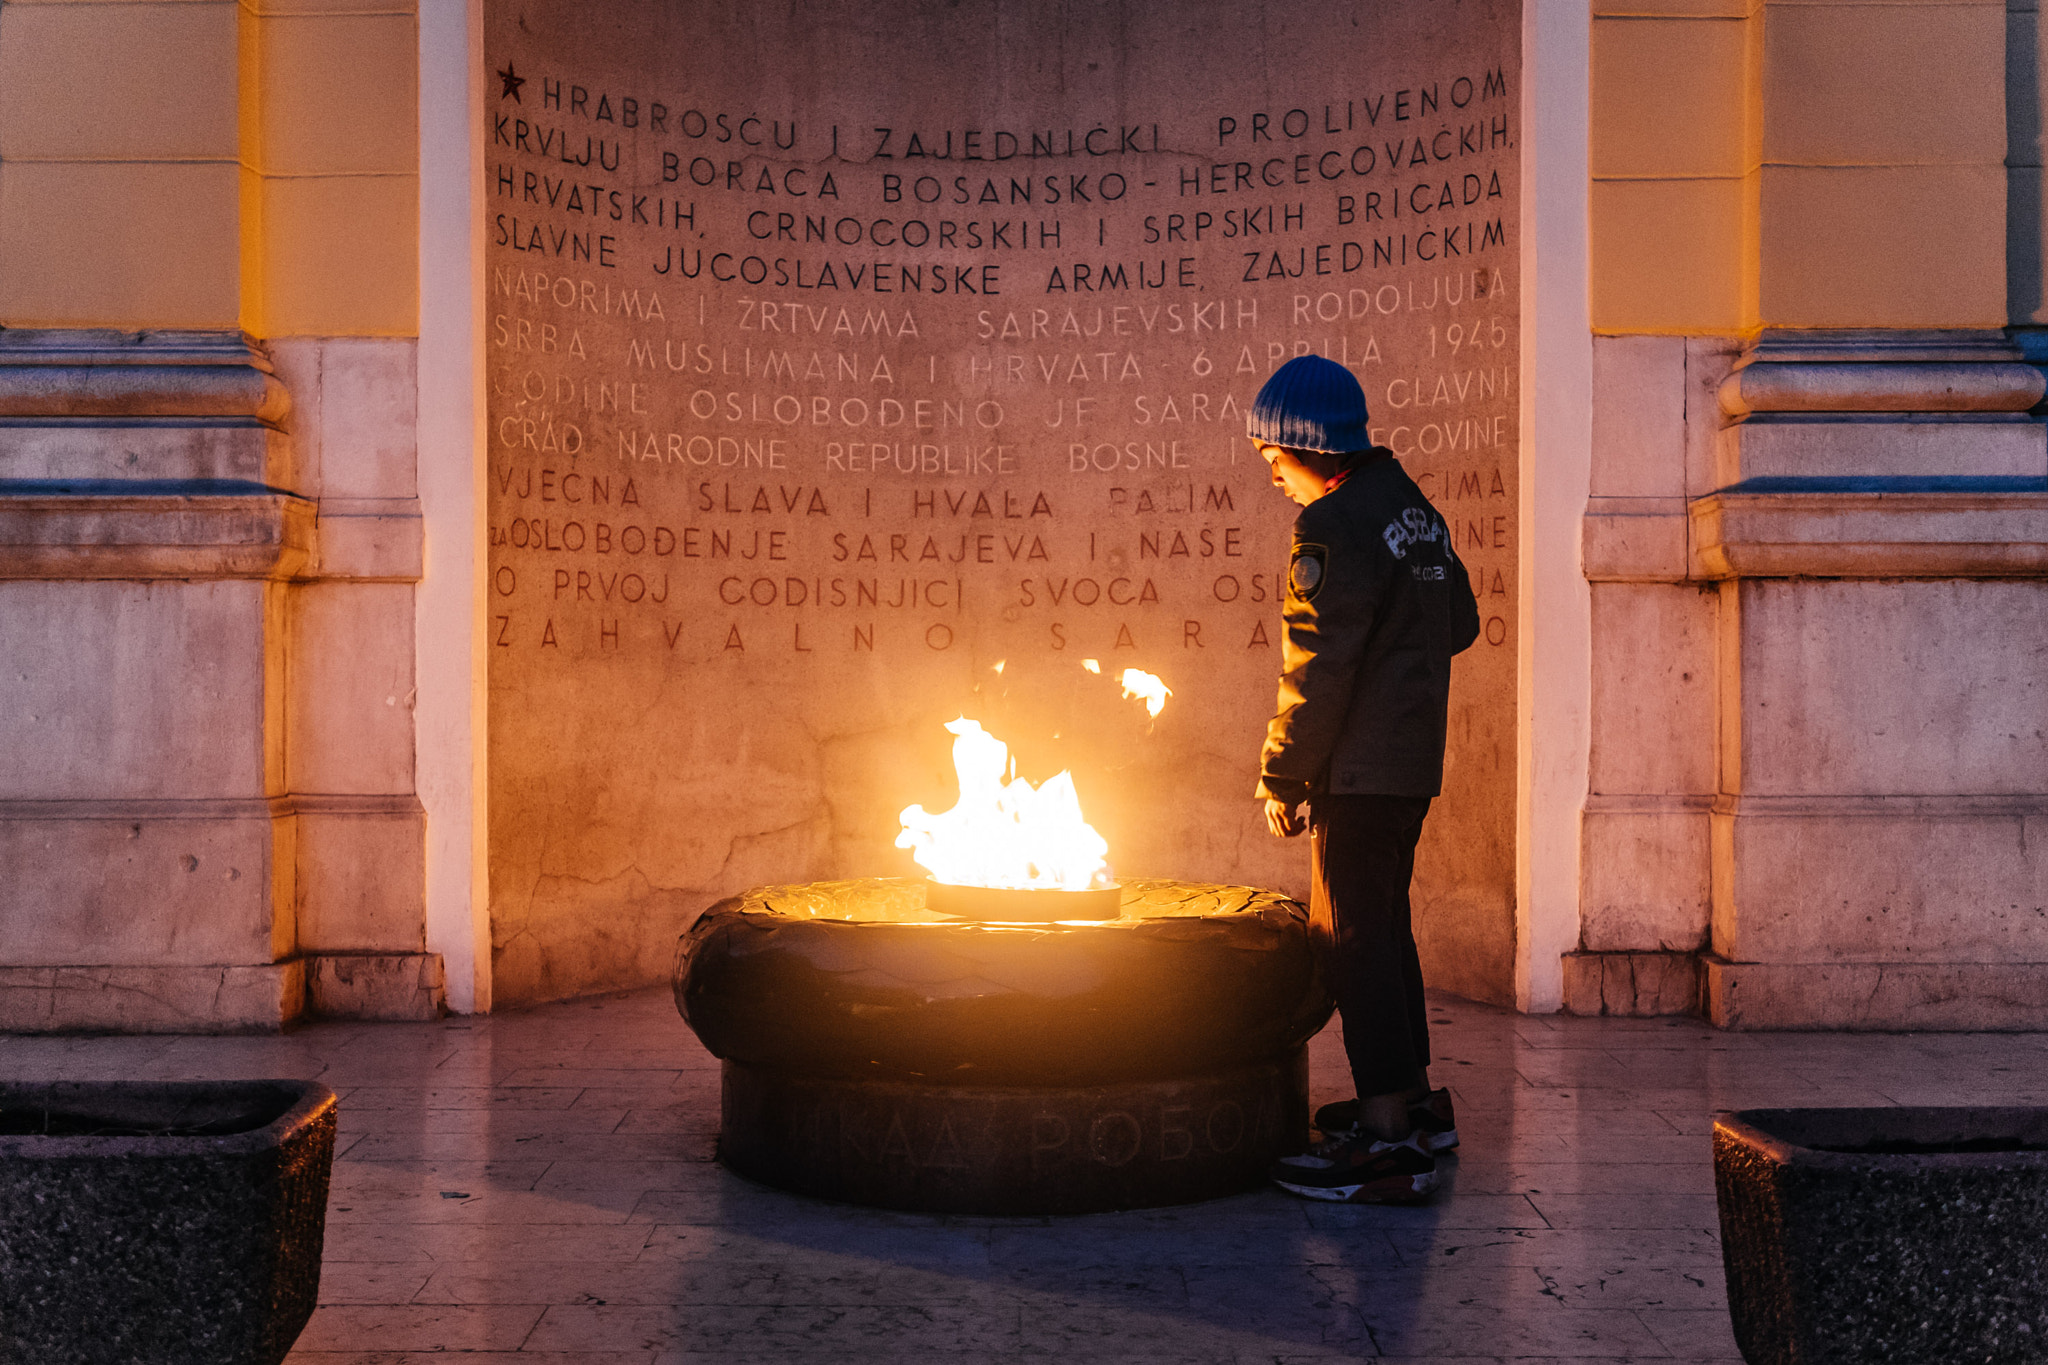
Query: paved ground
[537,1188]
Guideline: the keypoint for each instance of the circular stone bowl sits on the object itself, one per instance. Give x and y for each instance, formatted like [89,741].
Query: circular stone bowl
[881,1053]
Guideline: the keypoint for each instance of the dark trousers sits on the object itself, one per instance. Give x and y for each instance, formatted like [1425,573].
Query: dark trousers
[1362,855]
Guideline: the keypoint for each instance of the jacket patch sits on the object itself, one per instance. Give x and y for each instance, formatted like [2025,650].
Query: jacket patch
[1416,527]
[1306,572]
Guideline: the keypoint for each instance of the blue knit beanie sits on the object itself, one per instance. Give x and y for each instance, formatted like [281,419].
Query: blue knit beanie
[1310,404]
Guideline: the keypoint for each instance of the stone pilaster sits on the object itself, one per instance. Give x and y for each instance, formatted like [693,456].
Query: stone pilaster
[160,531]
[1880,537]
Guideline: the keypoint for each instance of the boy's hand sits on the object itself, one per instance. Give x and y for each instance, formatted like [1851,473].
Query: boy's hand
[1284,818]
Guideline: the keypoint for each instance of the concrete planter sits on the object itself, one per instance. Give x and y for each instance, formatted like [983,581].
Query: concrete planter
[1858,1235]
[178,1224]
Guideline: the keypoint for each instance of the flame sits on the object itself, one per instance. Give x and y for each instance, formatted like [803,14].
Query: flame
[1091,665]
[1150,686]
[1005,833]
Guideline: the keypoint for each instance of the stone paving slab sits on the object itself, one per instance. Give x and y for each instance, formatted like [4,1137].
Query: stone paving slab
[538,1189]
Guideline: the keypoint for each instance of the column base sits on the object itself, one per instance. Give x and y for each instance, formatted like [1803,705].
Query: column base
[381,986]
[1632,985]
[260,998]
[2007,997]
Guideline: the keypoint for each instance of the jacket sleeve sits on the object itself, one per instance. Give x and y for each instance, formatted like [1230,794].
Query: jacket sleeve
[1326,615]
[1464,606]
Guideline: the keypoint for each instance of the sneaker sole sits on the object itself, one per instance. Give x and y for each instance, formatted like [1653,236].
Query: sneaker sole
[1434,1142]
[1406,1189]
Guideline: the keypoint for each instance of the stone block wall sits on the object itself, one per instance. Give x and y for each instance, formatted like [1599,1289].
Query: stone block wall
[1817,747]
[1816,532]
[1646,833]
[209,528]
[205,601]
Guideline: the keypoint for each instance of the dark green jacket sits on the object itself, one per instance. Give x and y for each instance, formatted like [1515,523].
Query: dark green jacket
[1377,602]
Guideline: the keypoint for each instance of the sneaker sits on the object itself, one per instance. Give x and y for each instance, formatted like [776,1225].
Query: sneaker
[1360,1171]
[1432,1118]
[1434,1121]
[1337,1121]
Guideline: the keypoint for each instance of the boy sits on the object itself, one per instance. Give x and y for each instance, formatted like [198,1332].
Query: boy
[1377,602]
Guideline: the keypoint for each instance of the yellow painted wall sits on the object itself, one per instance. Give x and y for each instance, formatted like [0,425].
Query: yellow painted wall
[1792,163]
[1675,161]
[201,163]
[1799,163]
[2026,113]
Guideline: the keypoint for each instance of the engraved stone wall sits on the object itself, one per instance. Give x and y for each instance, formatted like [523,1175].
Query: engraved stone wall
[854,368]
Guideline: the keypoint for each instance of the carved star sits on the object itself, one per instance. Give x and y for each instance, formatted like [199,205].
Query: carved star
[512,83]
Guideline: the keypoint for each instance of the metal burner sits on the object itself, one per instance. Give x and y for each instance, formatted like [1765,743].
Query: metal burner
[1005,905]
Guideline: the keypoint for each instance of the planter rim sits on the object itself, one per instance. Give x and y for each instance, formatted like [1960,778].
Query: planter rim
[314,1100]
[1749,1127]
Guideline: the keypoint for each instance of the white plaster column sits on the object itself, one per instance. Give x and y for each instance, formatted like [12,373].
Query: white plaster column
[1554,647]
[452,608]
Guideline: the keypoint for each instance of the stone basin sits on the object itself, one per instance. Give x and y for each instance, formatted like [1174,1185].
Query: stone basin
[1909,1234]
[168,1223]
[881,1053]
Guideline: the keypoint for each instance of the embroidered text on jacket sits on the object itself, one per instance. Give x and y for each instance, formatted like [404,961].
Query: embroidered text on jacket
[1416,527]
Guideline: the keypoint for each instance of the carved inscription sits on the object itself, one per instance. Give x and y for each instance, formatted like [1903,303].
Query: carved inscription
[807,360]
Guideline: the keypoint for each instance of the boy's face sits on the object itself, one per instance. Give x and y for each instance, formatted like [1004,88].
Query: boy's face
[1298,480]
